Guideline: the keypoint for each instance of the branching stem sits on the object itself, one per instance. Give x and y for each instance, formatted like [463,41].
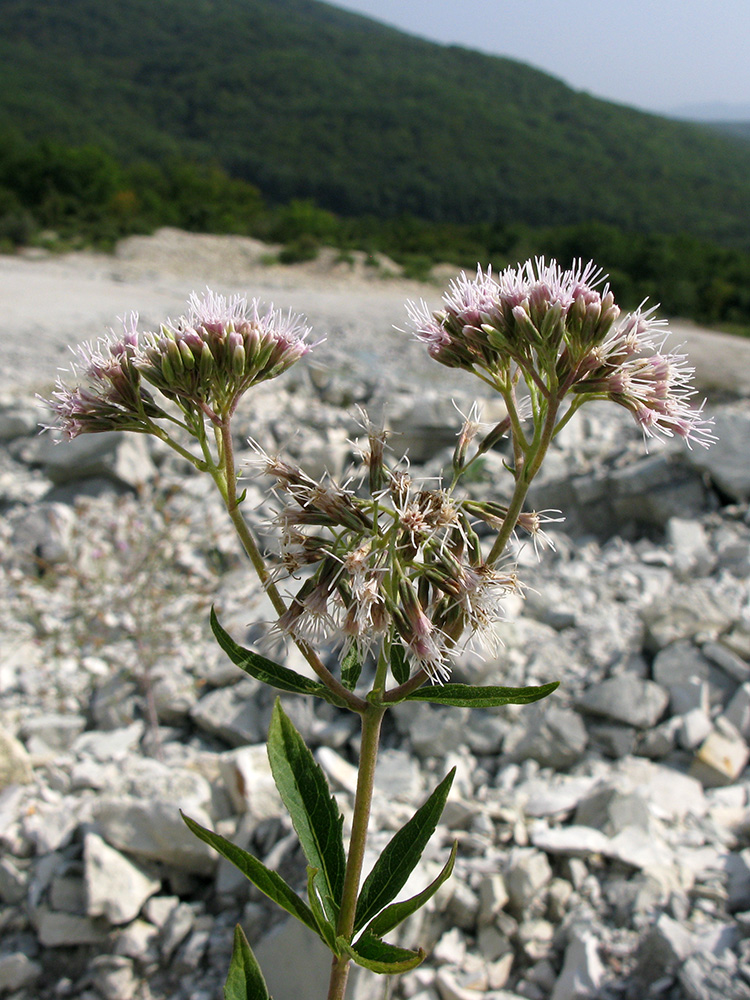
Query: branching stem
[524,475]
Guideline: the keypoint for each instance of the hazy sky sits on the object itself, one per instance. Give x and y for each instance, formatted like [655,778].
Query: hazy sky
[653,54]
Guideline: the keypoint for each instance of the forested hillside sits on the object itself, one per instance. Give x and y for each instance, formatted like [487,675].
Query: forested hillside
[302,124]
[302,99]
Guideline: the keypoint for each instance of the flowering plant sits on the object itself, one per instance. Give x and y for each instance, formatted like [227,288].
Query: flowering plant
[392,571]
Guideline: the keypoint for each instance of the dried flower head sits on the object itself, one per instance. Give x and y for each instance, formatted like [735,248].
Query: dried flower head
[398,565]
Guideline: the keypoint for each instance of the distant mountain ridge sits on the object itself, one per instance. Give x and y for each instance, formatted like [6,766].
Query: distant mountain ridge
[737,129]
[307,100]
[711,111]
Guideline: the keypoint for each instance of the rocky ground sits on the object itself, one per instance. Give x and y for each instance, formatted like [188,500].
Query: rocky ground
[604,834]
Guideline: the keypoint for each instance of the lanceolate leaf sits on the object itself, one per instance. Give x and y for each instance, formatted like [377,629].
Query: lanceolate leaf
[315,814]
[269,882]
[396,913]
[399,663]
[400,856]
[266,670]
[379,956]
[468,696]
[245,980]
[325,927]
[351,667]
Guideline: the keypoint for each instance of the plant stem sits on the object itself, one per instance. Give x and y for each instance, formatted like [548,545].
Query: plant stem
[372,719]
[399,693]
[162,435]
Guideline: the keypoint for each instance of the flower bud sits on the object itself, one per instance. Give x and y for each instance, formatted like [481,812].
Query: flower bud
[206,364]
[525,328]
[238,360]
[491,513]
[188,358]
[167,370]
[552,329]
[494,437]
[609,314]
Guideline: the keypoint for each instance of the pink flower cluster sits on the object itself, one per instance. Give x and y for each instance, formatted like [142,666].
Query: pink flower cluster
[489,322]
[631,368]
[108,394]
[205,360]
[220,349]
[562,330]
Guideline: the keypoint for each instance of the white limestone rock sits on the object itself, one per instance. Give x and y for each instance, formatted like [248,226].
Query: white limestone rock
[138,940]
[48,733]
[628,699]
[663,950]
[178,925]
[15,763]
[689,543]
[555,737]
[306,975]
[527,874]
[56,930]
[246,773]
[737,711]
[730,662]
[154,830]
[695,727]
[114,977]
[493,896]
[721,759]
[232,713]
[561,794]
[671,795]
[611,809]
[574,840]
[727,461]
[116,888]
[125,459]
[683,612]
[583,970]
[17,971]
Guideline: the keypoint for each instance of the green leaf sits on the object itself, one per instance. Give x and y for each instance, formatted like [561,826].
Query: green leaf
[468,696]
[351,667]
[399,664]
[396,913]
[379,956]
[267,671]
[325,927]
[269,882]
[245,980]
[314,812]
[400,856]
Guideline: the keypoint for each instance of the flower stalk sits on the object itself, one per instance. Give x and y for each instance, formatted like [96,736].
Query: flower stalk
[530,465]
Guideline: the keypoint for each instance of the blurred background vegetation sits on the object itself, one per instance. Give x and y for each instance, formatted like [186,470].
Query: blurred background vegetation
[301,124]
